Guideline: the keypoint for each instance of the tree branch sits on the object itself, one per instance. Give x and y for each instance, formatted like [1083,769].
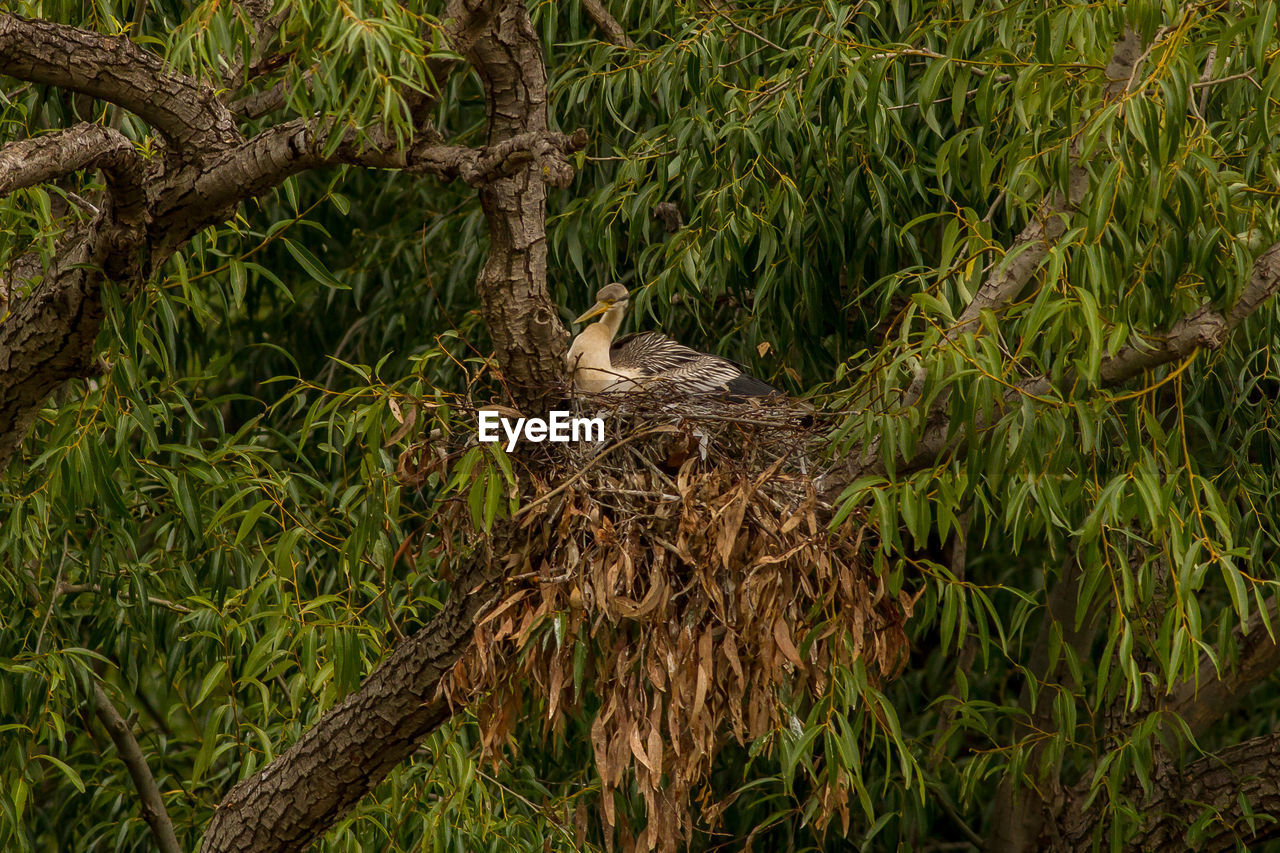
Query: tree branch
[1224,785]
[296,797]
[114,69]
[288,149]
[63,588]
[48,337]
[258,104]
[28,162]
[1010,275]
[265,29]
[607,24]
[153,810]
[1049,223]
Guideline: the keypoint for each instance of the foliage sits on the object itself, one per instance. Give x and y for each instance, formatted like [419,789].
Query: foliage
[215,527]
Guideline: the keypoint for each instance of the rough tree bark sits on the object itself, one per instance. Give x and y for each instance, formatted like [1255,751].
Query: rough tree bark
[1214,785]
[497,38]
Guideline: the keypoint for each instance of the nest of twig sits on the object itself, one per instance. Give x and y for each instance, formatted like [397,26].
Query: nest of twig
[678,582]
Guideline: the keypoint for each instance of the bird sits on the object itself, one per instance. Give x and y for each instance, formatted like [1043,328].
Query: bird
[648,360]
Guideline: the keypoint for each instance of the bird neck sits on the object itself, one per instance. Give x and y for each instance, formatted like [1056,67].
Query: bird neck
[612,320]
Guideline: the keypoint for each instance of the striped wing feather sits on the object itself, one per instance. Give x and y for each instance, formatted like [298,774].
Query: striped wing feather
[660,360]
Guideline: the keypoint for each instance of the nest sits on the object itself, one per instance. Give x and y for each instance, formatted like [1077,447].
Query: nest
[677,584]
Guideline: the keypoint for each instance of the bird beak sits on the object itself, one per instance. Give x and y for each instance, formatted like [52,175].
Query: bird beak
[595,311]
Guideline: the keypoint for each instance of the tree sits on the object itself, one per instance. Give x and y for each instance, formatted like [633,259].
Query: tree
[261,259]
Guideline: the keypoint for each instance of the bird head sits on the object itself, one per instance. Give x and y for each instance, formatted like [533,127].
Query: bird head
[609,296]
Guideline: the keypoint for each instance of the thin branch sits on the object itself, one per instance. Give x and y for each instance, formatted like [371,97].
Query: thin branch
[82,588]
[755,35]
[1243,75]
[53,598]
[153,810]
[1202,328]
[114,69]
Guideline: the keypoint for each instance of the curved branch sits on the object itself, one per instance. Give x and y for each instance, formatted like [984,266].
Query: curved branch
[1009,276]
[1203,328]
[1049,223]
[48,337]
[112,68]
[288,149]
[607,24]
[28,162]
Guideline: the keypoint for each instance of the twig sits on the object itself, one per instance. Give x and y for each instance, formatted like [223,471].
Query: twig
[78,588]
[593,462]
[1243,75]
[640,493]
[53,599]
[537,809]
[153,810]
[746,31]
[385,592]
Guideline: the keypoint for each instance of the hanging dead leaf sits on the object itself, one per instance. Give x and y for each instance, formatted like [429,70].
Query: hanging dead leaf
[782,635]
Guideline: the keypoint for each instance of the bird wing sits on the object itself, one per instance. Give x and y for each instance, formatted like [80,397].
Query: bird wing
[660,360]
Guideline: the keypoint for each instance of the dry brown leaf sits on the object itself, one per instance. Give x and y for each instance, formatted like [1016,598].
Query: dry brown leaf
[700,691]
[637,747]
[503,607]
[730,647]
[655,743]
[557,685]
[782,636]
